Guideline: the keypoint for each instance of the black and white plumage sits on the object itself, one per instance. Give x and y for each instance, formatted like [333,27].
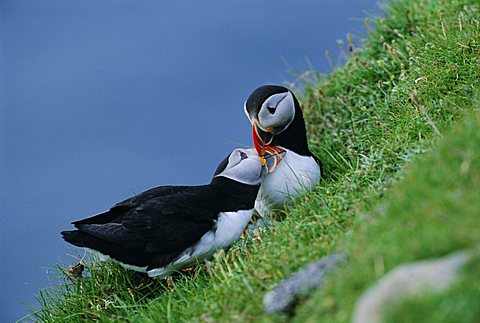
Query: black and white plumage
[172,227]
[278,128]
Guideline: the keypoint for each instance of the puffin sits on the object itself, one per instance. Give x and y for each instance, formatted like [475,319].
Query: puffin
[169,228]
[279,134]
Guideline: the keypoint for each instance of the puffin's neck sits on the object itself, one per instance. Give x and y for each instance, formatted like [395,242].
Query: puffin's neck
[294,137]
[231,195]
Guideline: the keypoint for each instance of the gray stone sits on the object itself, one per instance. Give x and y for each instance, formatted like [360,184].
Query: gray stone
[406,281]
[282,297]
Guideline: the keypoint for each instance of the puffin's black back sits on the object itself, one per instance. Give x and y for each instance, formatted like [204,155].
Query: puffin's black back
[153,228]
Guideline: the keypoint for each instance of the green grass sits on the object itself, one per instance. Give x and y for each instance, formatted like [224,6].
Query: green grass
[432,212]
[371,122]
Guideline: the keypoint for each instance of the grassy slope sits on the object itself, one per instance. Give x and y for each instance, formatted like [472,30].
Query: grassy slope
[432,212]
[366,121]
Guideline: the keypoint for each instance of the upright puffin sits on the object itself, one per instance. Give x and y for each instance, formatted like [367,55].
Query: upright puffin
[172,227]
[278,130]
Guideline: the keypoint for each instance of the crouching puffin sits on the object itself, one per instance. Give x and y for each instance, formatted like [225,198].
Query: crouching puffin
[278,131]
[172,227]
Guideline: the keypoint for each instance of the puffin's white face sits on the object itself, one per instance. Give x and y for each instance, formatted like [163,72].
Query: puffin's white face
[269,116]
[276,113]
[242,165]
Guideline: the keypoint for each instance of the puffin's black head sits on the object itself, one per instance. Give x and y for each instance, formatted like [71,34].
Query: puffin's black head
[276,119]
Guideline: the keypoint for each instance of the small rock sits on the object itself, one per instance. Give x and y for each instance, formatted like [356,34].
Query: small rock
[282,297]
[76,271]
[406,281]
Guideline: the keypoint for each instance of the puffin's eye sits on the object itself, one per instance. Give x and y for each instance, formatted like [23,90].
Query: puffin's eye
[271,109]
[243,155]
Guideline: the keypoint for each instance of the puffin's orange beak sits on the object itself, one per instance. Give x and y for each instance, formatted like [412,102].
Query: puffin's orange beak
[261,137]
[270,156]
[257,141]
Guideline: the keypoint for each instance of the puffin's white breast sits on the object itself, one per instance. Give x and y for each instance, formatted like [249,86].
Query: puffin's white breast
[228,228]
[294,175]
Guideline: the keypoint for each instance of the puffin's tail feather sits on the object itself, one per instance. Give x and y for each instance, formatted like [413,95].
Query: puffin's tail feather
[105,217]
[77,238]
[117,252]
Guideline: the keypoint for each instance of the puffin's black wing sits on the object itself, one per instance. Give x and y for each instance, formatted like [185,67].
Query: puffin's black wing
[172,223]
[158,226]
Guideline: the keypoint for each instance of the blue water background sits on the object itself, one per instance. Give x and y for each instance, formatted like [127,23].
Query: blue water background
[103,99]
